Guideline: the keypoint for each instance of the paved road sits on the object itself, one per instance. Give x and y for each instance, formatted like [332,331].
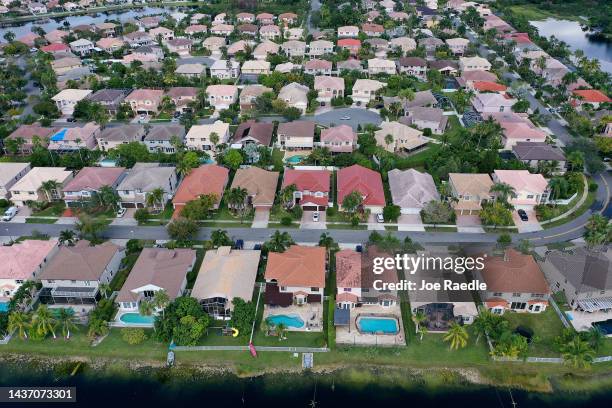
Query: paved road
[315,5]
[358,116]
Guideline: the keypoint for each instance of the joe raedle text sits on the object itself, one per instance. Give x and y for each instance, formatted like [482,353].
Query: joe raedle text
[446,284]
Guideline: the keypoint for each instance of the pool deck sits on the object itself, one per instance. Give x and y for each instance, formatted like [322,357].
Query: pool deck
[351,335]
[290,153]
[311,314]
[582,321]
[119,323]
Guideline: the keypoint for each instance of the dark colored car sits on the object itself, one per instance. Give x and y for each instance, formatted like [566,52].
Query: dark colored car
[523,215]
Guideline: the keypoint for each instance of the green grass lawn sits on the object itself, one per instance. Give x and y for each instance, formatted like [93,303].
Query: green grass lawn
[579,211]
[294,339]
[35,220]
[441,229]
[54,210]
[347,226]
[546,327]
[281,226]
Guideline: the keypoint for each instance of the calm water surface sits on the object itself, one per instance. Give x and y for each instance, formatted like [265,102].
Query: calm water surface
[571,33]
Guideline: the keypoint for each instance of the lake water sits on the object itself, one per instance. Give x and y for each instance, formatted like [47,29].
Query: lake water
[87,19]
[571,33]
[161,388]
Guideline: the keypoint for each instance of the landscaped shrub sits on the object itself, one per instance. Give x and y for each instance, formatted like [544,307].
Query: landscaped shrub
[593,186]
[297,212]
[133,336]
[286,220]
[331,211]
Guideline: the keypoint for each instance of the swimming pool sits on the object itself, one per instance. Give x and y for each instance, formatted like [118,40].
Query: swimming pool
[4,306]
[605,326]
[296,159]
[136,318]
[59,136]
[289,321]
[378,325]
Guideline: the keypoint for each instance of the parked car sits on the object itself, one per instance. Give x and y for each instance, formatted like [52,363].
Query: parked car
[10,213]
[121,212]
[523,215]
[315,216]
[71,120]
[347,117]
[380,218]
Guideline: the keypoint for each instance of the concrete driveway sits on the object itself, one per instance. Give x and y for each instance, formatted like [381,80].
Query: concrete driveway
[410,222]
[531,225]
[307,222]
[469,223]
[127,219]
[262,216]
[373,224]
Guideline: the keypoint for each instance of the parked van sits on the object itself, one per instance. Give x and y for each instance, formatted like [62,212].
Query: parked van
[9,214]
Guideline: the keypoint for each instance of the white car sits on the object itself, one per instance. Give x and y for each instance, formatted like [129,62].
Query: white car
[121,212]
[380,218]
[315,216]
[10,213]
[347,117]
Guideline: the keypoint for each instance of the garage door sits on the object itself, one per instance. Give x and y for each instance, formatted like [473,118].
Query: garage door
[128,205]
[310,208]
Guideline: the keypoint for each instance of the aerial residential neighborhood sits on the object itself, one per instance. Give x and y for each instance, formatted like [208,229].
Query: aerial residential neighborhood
[219,184]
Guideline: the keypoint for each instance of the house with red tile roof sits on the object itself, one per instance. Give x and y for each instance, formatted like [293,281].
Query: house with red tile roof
[55,47]
[312,188]
[339,139]
[591,96]
[366,182]
[23,261]
[295,276]
[351,44]
[348,278]
[514,282]
[488,86]
[530,189]
[84,187]
[207,179]
[27,134]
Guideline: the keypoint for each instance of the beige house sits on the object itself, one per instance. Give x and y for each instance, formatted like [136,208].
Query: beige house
[256,67]
[405,44]
[457,45]
[145,101]
[68,98]
[320,47]
[295,95]
[381,66]
[222,96]
[470,190]
[225,274]
[249,94]
[264,48]
[328,88]
[222,29]
[113,137]
[142,179]
[474,64]
[29,187]
[199,136]
[298,134]
[62,65]
[530,189]
[260,184]
[10,173]
[214,44]
[394,136]
[348,32]
[270,32]
[294,48]
[364,90]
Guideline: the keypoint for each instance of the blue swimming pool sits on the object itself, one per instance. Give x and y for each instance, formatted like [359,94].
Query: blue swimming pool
[136,318]
[605,327]
[296,159]
[288,321]
[4,306]
[59,136]
[373,325]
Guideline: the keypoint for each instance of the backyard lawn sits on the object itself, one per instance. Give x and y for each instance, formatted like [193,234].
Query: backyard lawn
[546,327]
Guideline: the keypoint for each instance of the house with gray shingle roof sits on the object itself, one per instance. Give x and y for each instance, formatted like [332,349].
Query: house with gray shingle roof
[160,138]
[534,153]
[411,190]
[144,178]
[111,138]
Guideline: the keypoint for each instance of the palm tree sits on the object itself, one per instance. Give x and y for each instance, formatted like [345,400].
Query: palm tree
[483,323]
[422,331]
[576,160]
[504,191]
[108,196]
[145,307]
[279,241]
[161,300]
[66,237]
[219,238]
[97,327]
[596,337]
[558,187]
[43,321]
[155,197]
[66,321]
[457,336]
[280,331]
[104,289]
[236,199]
[285,196]
[214,139]
[328,242]
[19,321]
[418,318]
[577,353]
[49,187]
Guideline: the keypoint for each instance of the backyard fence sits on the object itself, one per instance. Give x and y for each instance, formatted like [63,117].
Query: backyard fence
[260,348]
